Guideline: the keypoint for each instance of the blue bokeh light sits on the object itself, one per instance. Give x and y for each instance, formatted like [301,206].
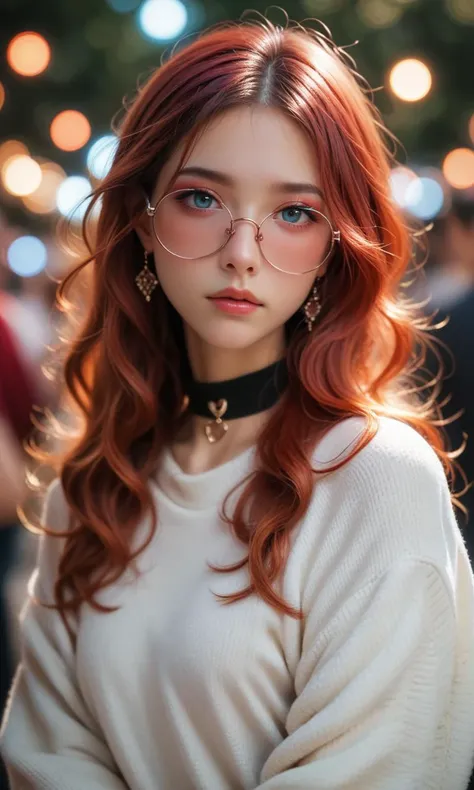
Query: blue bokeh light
[162,20]
[100,155]
[424,198]
[27,256]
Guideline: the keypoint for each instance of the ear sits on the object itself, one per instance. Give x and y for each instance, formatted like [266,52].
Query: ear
[144,230]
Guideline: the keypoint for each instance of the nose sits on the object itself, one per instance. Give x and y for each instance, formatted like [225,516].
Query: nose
[242,252]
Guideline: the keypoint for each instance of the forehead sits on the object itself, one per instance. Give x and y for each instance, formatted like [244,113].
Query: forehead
[252,144]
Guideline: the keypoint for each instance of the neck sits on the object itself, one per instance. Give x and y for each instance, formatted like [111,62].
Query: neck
[209,363]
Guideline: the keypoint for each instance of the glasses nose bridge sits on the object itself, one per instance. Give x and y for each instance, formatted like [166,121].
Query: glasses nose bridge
[258,235]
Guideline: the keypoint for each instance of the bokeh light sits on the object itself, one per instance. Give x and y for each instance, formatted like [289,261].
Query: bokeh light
[424,198]
[123,6]
[461,10]
[70,130]
[27,256]
[71,197]
[11,148]
[163,20]
[43,199]
[2,95]
[28,54]
[410,80]
[378,13]
[458,168]
[101,154]
[21,175]
[400,179]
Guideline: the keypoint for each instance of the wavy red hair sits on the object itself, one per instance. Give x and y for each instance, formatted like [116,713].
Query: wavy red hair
[122,370]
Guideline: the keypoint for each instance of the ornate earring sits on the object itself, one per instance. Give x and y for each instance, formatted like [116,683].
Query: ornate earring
[146,280]
[312,307]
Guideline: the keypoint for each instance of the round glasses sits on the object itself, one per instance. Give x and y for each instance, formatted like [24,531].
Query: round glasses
[194,223]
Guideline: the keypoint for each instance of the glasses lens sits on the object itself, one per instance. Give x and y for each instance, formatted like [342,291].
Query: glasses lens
[191,223]
[296,239]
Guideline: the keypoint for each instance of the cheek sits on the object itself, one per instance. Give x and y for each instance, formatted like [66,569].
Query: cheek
[290,293]
[183,282]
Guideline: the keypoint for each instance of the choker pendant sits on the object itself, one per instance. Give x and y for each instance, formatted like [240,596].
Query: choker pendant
[216,430]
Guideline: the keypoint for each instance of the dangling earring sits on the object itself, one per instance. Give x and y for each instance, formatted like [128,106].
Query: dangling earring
[146,280]
[312,307]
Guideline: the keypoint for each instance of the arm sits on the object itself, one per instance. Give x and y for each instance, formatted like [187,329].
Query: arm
[384,679]
[368,712]
[50,740]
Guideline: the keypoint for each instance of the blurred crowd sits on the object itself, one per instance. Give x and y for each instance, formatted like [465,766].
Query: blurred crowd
[27,331]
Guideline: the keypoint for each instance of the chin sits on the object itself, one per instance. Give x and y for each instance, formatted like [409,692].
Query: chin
[231,335]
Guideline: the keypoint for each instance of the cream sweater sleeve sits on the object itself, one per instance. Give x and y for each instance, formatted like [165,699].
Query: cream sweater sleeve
[379,672]
[49,739]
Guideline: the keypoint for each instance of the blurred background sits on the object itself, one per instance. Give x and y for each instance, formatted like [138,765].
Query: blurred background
[66,70]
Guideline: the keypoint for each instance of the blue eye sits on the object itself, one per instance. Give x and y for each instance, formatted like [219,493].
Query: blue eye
[292,215]
[202,199]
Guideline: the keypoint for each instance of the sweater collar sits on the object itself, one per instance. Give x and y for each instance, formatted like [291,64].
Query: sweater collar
[205,490]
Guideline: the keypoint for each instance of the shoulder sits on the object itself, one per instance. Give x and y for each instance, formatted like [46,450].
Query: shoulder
[396,448]
[390,502]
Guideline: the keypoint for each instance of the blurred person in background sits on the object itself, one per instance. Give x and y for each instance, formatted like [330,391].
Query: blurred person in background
[17,395]
[451,276]
[245,332]
[452,292]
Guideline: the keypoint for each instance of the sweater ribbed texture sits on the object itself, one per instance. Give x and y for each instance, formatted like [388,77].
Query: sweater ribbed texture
[372,690]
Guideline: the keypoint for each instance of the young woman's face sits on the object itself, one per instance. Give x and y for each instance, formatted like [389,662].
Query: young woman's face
[253,153]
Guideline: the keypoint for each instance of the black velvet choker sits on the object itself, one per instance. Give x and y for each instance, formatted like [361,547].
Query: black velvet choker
[234,398]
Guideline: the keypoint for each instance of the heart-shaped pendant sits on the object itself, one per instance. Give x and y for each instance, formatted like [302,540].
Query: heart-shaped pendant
[218,429]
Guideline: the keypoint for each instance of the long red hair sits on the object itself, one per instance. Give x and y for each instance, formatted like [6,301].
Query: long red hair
[122,370]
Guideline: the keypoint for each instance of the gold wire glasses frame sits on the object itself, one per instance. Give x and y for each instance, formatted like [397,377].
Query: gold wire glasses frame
[230,231]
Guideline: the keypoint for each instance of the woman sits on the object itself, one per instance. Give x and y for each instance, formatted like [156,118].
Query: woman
[251,574]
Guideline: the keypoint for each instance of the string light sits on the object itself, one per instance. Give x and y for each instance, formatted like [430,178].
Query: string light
[28,54]
[410,80]
[70,130]
[2,95]
[21,175]
[458,168]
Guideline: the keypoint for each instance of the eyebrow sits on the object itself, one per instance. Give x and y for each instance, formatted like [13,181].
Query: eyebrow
[225,180]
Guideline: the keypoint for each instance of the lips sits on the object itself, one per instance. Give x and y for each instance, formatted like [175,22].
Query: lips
[237,296]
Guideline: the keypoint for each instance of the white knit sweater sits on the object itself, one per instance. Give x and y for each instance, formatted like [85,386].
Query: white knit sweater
[373,690]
